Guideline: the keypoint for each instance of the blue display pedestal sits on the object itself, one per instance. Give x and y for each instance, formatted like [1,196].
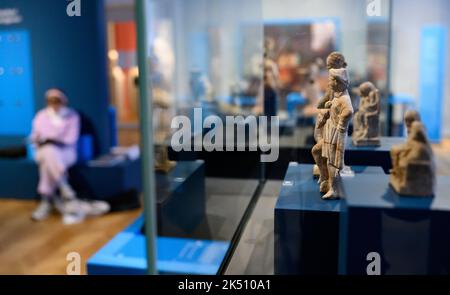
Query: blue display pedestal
[411,235]
[307,227]
[125,255]
[372,155]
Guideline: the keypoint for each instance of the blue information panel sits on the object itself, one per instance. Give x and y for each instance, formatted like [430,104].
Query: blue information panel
[16,83]
[125,254]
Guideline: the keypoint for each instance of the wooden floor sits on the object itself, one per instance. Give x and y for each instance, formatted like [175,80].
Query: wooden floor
[27,247]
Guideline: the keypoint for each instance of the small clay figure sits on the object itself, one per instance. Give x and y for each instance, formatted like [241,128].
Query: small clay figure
[367,119]
[161,116]
[413,167]
[410,117]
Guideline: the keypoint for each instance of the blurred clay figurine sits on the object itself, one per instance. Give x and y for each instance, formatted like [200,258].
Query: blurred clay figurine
[367,119]
[161,108]
[410,117]
[200,86]
[413,167]
[311,90]
[271,85]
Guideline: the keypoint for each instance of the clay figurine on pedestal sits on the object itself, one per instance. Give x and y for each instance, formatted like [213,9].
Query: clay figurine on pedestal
[330,155]
[366,130]
[413,167]
[334,61]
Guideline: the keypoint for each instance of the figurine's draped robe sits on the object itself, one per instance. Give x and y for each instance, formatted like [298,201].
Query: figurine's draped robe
[334,131]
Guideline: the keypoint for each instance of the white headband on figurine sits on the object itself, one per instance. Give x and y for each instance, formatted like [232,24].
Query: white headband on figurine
[341,74]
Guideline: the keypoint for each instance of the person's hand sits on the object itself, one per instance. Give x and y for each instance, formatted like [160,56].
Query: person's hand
[50,141]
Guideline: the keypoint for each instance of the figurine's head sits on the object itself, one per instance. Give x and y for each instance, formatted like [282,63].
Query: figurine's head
[336,61]
[338,80]
[365,88]
[411,116]
[418,132]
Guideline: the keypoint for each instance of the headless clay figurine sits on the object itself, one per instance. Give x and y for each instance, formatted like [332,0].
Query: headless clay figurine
[329,152]
[334,61]
[413,167]
[367,119]
[161,116]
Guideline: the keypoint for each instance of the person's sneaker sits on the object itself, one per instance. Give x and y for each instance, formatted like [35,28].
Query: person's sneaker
[73,218]
[95,208]
[43,211]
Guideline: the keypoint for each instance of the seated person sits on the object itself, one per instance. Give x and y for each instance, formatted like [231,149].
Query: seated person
[55,133]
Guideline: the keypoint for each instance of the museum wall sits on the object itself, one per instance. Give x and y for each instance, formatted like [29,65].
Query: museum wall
[65,52]
[407,23]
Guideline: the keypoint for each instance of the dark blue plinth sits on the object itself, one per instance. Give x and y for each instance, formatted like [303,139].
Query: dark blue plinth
[372,155]
[181,199]
[307,227]
[104,183]
[412,235]
[125,255]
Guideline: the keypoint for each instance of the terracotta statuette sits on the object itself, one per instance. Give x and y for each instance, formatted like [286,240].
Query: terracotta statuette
[366,130]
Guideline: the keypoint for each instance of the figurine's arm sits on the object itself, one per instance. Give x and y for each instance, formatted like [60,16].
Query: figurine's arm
[322,118]
[374,103]
[326,98]
[345,116]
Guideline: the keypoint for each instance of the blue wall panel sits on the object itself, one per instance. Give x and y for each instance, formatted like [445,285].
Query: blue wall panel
[66,52]
[16,83]
[432,73]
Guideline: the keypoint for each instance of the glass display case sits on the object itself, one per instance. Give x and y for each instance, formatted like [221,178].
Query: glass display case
[204,59]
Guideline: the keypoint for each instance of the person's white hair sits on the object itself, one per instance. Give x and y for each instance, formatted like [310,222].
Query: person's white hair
[54,92]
